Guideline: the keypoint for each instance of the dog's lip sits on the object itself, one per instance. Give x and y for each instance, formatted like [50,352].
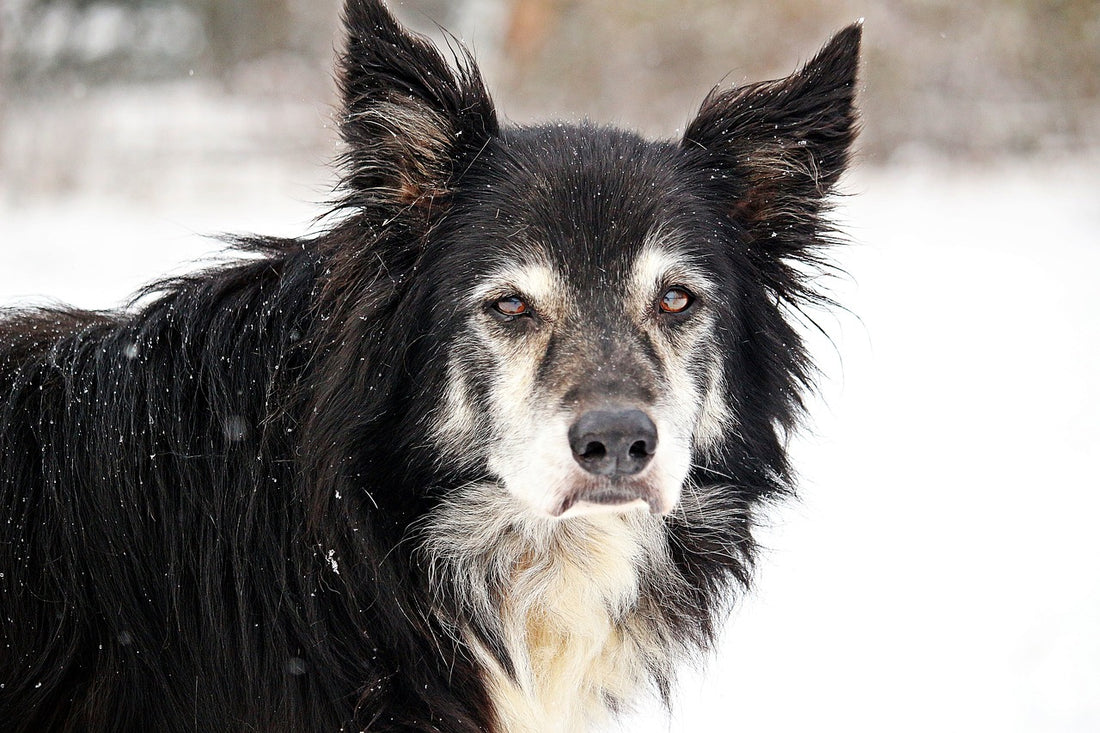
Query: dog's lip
[612,497]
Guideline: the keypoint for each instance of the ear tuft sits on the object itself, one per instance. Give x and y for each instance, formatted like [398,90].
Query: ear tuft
[409,118]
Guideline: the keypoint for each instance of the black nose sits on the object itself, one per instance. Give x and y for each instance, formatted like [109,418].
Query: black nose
[613,442]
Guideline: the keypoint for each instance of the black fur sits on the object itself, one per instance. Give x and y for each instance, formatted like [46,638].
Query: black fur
[174,479]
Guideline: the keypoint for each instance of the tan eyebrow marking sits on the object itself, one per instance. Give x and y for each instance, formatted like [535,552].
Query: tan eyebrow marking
[660,264]
[540,283]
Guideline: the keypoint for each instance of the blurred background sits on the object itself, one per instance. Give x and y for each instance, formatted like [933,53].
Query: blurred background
[942,569]
[125,93]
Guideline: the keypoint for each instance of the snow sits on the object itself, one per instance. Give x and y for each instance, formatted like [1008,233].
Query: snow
[95,251]
[942,569]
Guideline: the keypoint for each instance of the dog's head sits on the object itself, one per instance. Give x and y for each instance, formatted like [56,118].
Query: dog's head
[594,314]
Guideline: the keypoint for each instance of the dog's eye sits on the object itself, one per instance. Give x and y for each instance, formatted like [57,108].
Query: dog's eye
[676,300]
[511,306]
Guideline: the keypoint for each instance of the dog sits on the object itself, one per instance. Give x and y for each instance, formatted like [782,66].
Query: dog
[484,455]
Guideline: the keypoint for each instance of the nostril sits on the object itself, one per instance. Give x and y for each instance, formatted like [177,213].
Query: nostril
[639,449]
[594,450]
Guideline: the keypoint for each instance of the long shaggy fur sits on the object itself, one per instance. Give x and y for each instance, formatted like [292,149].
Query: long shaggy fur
[234,506]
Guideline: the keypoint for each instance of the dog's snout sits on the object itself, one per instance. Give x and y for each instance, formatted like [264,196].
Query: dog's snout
[613,442]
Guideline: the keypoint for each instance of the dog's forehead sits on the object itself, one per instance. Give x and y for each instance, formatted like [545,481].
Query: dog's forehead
[589,204]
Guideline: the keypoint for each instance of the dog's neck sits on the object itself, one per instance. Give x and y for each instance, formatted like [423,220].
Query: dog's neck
[565,597]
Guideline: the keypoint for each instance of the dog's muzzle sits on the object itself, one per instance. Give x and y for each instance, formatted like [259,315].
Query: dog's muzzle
[613,446]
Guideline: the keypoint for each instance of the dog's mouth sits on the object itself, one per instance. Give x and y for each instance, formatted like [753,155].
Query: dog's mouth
[610,497]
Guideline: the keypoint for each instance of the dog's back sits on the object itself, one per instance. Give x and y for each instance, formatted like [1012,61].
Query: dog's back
[144,491]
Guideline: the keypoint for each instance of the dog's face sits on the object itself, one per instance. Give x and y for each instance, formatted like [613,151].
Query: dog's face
[603,312]
[584,292]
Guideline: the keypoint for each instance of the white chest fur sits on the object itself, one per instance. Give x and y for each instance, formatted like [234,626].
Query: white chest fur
[566,597]
[570,627]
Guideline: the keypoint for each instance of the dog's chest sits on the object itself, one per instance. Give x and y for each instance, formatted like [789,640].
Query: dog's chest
[571,625]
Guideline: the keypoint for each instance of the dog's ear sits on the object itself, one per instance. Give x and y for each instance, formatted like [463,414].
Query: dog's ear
[410,121]
[776,149]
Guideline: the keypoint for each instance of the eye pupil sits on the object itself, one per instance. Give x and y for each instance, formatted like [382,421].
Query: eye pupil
[676,300]
[511,306]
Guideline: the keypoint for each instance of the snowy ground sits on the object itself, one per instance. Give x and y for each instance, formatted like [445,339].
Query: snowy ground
[942,571]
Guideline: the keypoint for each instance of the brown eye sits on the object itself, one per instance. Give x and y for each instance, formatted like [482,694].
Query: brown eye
[511,306]
[676,300]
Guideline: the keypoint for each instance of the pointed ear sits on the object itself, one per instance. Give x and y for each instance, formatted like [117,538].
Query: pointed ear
[409,118]
[779,147]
